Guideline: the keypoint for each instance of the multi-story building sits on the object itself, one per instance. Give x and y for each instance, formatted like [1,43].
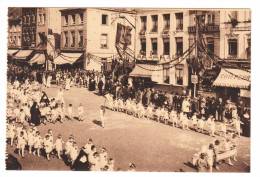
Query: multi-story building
[235,52]
[162,35]
[207,24]
[14,30]
[38,39]
[235,34]
[90,34]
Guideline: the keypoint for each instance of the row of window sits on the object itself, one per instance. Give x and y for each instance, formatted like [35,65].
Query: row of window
[179,72]
[166,46]
[76,19]
[232,46]
[166,21]
[31,19]
[15,40]
[72,39]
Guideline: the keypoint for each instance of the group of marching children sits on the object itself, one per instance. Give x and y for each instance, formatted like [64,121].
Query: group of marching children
[183,120]
[220,151]
[30,139]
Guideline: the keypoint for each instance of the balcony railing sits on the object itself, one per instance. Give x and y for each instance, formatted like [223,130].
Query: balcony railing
[205,29]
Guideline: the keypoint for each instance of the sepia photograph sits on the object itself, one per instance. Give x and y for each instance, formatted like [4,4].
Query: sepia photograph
[128,89]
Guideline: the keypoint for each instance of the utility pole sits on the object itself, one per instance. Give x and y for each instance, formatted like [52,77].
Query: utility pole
[195,76]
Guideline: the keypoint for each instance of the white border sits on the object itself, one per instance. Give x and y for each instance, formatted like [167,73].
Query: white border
[255,148]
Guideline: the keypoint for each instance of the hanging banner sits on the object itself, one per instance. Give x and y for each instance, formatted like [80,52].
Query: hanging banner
[157,76]
[245,93]
[123,35]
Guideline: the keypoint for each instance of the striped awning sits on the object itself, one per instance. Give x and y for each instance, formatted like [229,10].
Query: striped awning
[234,78]
[142,70]
[11,52]
[67,58]
[38,58]
[23,54]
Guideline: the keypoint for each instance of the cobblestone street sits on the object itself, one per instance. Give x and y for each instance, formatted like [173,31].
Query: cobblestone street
[150,145]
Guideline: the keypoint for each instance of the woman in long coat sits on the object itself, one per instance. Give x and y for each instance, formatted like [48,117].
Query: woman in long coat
[35,114]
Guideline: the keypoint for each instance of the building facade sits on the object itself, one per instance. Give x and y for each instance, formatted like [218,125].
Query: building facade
[14,28]
[38,39]
[92,32]
[235,34]
[162,35]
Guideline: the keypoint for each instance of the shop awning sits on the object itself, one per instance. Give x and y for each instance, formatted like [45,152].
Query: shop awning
[23,54]
[11,52]
[143,70]
[67,58]
[38,58]
[234,78]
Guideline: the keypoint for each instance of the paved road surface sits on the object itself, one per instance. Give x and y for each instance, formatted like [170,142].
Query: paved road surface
[150,145]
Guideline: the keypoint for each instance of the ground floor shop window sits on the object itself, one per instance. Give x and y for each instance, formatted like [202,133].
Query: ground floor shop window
[166,73]
[179,74]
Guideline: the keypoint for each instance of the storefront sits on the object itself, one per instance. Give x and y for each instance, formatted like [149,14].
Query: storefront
[69,60]
[233,83]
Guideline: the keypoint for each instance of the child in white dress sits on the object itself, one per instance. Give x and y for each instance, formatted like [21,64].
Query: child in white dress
[201,123]
[102,116]
[74,152]
[58,146]
[110,164]
[11,132]
[173,117]
[80,112]
[48,146]
[70,112]
[31,140]
[194,121]
[38,141]
[21,142]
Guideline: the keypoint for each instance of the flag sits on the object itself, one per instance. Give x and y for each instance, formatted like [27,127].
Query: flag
[123,35]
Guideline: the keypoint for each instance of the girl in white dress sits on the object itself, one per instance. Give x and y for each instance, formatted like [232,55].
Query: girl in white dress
[11,132]
[103,158]
[60,96]
[74,152]
[38,141]
[211,126]
[48,146]
[201,124]
[58,146]
[110,164]
[237,124]
[194,121]
[173,117]
[48,84]
[80,112]
[185,122]
[102,116]
[70,112]
[31,140]
[21,142]
[44,80]
[67,83]
[68,146]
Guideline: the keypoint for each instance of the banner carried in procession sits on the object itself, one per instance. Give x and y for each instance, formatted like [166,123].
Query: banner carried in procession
[123,35]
